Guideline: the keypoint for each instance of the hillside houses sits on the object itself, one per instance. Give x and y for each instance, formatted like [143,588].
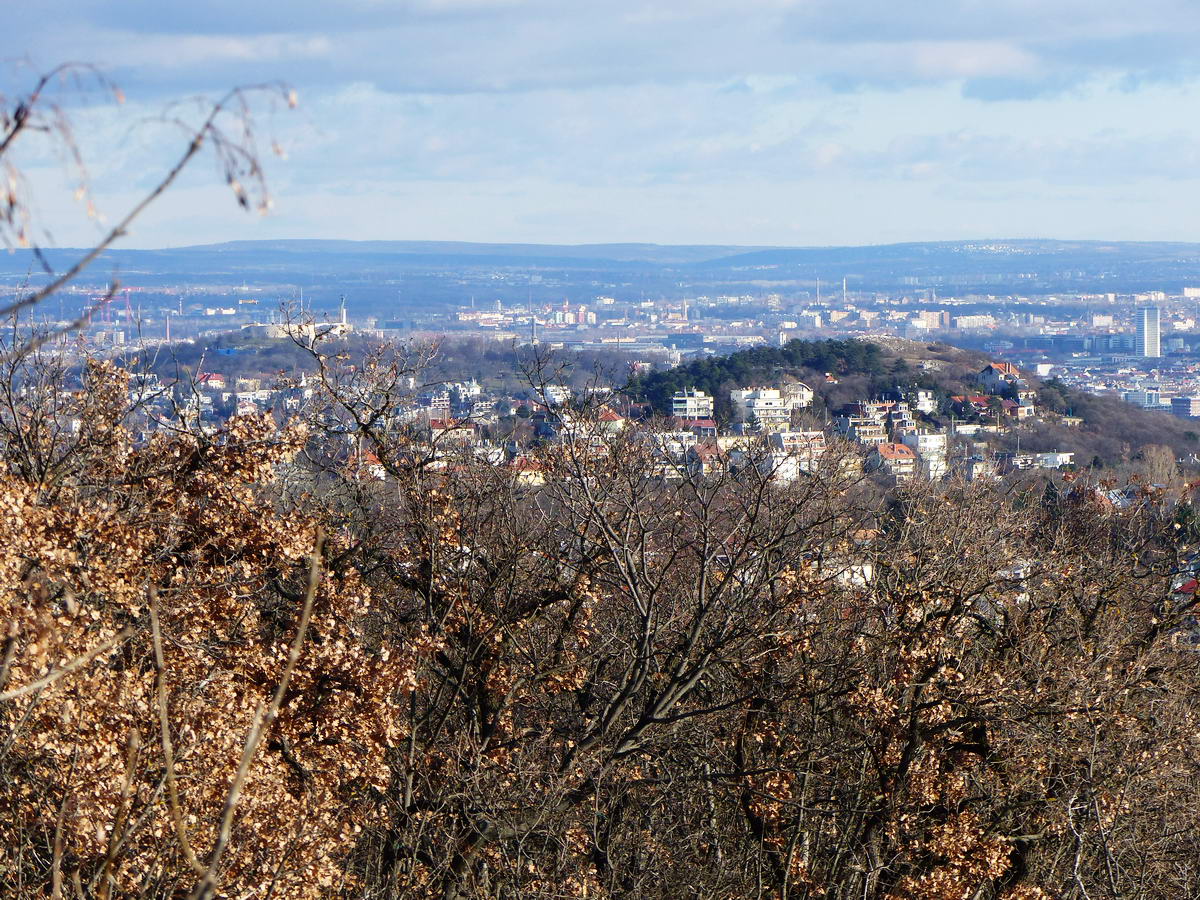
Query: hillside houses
[692,404]
[930,448]
[1012,462]
[969,405]
[899,435]
[706,458]
[864,430]
[792,454]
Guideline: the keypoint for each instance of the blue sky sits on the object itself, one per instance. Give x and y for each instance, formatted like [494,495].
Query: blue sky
[791,122]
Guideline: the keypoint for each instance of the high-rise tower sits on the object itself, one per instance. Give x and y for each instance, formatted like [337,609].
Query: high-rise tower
[1148,332]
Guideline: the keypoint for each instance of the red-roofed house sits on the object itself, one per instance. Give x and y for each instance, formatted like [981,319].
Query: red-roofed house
[702,428]
[528,471]
[972,403]
[1016,410]
[611,421]
[452,430]
[365,465]
[897,460]
[706,458]
[998,376]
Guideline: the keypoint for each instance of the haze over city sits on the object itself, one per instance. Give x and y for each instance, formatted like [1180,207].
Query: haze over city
[765,122]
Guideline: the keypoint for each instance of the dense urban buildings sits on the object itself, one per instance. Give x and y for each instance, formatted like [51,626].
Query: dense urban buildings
[1143,346]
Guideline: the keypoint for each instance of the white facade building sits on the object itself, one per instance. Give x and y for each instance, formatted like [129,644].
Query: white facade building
[797,394]
[803,449]
[771,407]
[557,394]
[763,406]
[1054,459]
[930,447]
[809,320]
[1148,332]
[691,404]
[923,401]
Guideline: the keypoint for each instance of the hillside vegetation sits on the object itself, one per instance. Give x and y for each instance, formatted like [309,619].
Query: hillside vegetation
[237,665]
[1112,433]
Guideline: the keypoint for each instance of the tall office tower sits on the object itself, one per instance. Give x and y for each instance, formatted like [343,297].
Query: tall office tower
[1148,331]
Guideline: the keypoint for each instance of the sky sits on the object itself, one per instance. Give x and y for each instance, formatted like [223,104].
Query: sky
[760,122]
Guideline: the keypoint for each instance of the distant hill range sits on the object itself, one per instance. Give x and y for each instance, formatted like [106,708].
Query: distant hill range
[507,254]
[980,266]
[300,255]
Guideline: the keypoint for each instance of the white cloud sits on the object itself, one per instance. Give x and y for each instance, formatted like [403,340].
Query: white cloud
[174,51]
[515,45]
[664,120]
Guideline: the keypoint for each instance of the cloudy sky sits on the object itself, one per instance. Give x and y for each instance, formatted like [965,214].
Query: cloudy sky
[789,122]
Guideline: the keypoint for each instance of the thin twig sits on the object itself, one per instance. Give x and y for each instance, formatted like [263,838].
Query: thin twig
[10,650]
[104,876]
[168,750]
[26,107]
[56,866]
[119,230]
[77,663]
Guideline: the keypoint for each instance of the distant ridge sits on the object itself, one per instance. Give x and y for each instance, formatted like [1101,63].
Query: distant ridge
[979,249]
[982,266]
[704,255]
[627,252]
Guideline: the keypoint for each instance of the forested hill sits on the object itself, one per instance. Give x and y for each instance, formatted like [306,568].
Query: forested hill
[859,369]
[1113,433]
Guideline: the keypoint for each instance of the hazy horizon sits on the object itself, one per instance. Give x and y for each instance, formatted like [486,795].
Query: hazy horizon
[634,243]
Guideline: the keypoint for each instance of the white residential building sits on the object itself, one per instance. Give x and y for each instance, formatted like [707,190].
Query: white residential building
[973,321]
[803,448]
[691,404]
[897,460]
[930,447]
[557,394]
[976,468]
[672,444]
[797,394]
[999,376]
[765,407]
[863,429]
[923,401]
[1054,459]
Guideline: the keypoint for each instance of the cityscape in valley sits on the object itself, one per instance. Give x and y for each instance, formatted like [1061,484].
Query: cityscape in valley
[970,401]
